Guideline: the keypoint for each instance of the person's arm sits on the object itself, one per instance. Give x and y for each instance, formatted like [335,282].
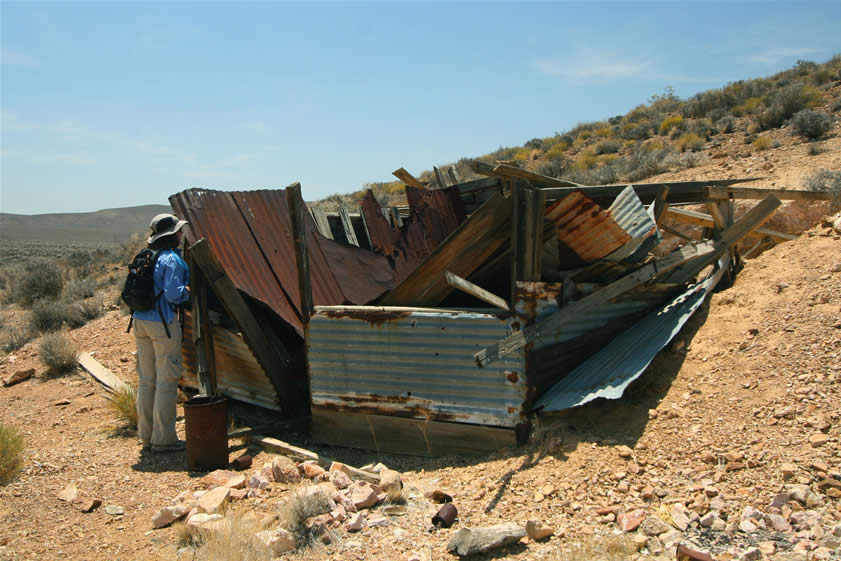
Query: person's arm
[176,291]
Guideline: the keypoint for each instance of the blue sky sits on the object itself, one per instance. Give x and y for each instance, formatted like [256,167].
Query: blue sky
[112,104]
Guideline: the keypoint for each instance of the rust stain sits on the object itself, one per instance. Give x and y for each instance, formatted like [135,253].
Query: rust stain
[512,377]
[372,317]
[585,227]
[412,412]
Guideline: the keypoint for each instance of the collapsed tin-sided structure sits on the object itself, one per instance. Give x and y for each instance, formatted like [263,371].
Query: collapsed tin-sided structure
[444,326]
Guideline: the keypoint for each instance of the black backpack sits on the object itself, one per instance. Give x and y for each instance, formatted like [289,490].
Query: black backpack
[139,289]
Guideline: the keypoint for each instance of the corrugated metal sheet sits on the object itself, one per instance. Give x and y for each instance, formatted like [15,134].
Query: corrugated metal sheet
[414,363]
[250,233]
[585,228]
[238,373]
[607,373]
[630,214]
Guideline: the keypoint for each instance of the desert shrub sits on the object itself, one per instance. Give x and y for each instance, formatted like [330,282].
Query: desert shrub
[79,289]
[58,353]
[649,160]
[816,148]
[608,147]
[726,125]
[80,262]
[47,316]
[762,143]
[689,141]
[588,159]
[297,509]
[77,314]
[600,175]
[131,247]
[556,151]
[553,168]
[702,127]
[811,124]
[669,123]
[232,539]
[836,106]
[41,279]
[123,405]
[604,132]
[821,76]
[522,154]
[770,118]
[11,453]
[749,106]
[826,180]
[13,338]
[638,130]
[534,144]
[785,102]
[582,138]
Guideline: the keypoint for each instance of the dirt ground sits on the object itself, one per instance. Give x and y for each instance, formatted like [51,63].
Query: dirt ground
[753,376]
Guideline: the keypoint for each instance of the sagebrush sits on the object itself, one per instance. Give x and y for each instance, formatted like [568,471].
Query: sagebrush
[58,353]
[11,453]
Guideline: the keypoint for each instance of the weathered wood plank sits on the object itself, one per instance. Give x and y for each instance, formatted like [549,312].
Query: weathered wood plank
[679,191]
[407,178]
[526,233]
[401,435]
[536,179]
[549,324]
[297,208]
[295,452]
[322,223]
[686,216]
[274,359]
[477,291]
[439,178]
[660,204]
[453,175]
[726,192]
[347,225]
[101,374]
[462,252]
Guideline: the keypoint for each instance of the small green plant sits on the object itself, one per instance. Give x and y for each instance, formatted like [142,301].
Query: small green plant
[11,453]
[123,404]
[58,353]
[811,124]
[762,143]
[689,141]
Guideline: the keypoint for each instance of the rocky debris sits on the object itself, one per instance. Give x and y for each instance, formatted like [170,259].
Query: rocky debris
[242,462]
[170,514]
[390,481]
[18,377]
[439,496]
[69,494]
[88,505]
[284,470]
[224,478]
[468,541]
[311,470]
[630,521]
[340,479]
[115,510]
[356,522]
[686,553]
[214,500]
[363,494]
[203,523]
[258,480]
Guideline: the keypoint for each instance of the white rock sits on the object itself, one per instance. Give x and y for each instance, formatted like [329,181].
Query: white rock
[278,541]
[170,514]
[214,500]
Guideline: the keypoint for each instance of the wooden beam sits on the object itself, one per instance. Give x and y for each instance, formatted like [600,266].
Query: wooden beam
[726,192]
[453,175]
[477,291]
[552,322]
[526,233]
[679,191]
[407,178]
[660,204]
[274,359]
[401,435]
[347,225]
[297,207]
[677,233]
[321,222]
[439,178]
[536,179]
[476,239]
[101,374]
[297,453]
[686,216]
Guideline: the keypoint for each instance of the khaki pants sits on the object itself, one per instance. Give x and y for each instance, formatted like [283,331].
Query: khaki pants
[159,369]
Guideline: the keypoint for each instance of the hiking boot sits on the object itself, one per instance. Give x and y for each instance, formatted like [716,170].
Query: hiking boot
[176,446]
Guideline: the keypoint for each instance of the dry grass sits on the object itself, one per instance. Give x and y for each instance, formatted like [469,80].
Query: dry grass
[231,540]
[11,453]
[58,353]
[123,404]
[297,509]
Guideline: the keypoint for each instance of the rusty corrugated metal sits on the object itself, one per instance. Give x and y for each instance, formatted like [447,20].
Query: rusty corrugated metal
[238,373]
[414,363]
[586,228]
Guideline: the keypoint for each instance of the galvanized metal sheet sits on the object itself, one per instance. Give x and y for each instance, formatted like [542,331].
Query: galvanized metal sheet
[585,228]
[607,373]
[415,363]
[630,214]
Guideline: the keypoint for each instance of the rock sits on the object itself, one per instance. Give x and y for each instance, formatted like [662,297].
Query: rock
[214,500]
[224,478]
[89,505]
[680,517]
[344,468]
[468,541]
[311,470]
[18,377]
[340,479]
[390,480]
[804,520]
[624,452]
[788,470]
[362,495]
[380,522]
[238,494]
[654,526]
[768,547]
[69,494]
[278,541]
[319,524]
[661,492]
[202,523]
[647,493]
[537,530]
[778,522]
[64,401]
[115,510]
[339,513]
[438,496]
[752,554]
[242,462]
[686,553]
[790,556]
[285,470]
[258,481]
[356,522]
[170,514]
[630,521]
[819,439]
[708,519]
[798,492]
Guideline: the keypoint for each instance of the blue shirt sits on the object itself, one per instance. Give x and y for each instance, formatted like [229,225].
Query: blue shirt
[172,276]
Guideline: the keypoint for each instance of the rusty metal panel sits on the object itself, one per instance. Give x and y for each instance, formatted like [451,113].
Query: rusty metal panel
[239,375]
[586,228]
[215,215]
[414,362]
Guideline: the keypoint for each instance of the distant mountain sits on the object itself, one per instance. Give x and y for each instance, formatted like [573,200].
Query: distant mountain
[108,225]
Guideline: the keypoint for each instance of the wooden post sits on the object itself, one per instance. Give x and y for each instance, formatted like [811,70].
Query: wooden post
[350,233]
[299,236]
[453,174]
[526,234]
[660,204]
[396,219]
[407,178]
[202,332]
[322,223]
[439,178]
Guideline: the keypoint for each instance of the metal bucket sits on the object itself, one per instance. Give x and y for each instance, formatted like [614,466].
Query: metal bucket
[206,424]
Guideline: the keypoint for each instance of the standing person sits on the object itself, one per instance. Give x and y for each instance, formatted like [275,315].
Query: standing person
[158,336]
